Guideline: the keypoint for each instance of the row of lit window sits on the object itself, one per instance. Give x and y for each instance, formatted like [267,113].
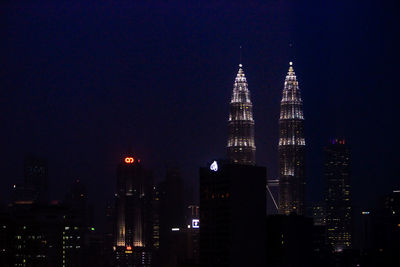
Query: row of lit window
[291,97]
[291,114]
[292,141]
[242,96]
[240,142]
[245,115]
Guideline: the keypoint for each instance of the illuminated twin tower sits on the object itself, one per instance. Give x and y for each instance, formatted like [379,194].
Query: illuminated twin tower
[241,147]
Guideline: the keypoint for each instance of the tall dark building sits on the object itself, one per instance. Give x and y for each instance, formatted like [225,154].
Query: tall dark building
[386,227]
[36,178]
[289,241]
[232,215]
[241,146]
[291,148]
[172,215]
[338,195]
[134,214]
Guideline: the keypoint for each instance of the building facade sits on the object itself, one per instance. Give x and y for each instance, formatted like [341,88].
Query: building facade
[241,146]
[338,195]
[232,215]
[134,214]
[291,148]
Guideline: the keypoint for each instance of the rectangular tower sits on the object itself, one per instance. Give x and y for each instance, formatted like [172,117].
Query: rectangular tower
[232,215]
[134,214]
[338,195]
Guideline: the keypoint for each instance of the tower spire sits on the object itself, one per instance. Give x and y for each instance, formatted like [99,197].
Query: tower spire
[291,148]
[241,147]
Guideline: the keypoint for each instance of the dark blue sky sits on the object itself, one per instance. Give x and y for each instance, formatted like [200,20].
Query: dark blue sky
[82,82]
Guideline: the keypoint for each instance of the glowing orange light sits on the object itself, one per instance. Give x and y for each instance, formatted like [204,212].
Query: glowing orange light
[128,248]
[129,160]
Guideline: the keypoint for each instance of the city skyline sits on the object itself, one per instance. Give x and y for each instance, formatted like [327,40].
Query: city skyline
[83,118]
[125,143]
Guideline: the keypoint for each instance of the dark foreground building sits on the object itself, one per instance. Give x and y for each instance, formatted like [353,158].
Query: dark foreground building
[291,148]
[232,215]
[134,215]
[172,216]
[338,195]
[289,241]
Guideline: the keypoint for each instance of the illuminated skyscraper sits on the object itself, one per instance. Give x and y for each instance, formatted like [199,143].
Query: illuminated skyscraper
[291,148]
[241,146]
[134,214]
[338,197]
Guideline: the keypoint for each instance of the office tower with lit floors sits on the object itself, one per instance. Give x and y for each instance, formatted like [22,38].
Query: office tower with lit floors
[134,214]
[241,146]
[338,194]
[291,148]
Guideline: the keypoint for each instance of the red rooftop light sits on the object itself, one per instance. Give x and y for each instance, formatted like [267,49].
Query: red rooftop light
[129,160]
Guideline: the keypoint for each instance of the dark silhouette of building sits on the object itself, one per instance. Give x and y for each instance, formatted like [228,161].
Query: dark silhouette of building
[172,216]
[386,230]
[34,188]
[365,236]
[45,235]
[338,195]
[36,177]
[232,215]
[291,148]
[289,241]
[241,146]
[77,200]
[134,214]
[318,213]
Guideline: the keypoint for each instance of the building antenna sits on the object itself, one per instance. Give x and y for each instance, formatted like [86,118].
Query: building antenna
[291,51]
[240,55]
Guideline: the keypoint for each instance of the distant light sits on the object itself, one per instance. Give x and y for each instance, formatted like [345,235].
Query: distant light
[15,186]
[92,228]
[290,63]
[175,229]
[189,226]
[128,248]
[396,191]
[195,223]
[129,160]
[240,65]
[365,212]
[214,166]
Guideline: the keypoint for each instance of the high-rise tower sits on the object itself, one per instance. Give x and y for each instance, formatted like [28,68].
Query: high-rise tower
[338,194]
[291,148]
[134,214]
[241,147]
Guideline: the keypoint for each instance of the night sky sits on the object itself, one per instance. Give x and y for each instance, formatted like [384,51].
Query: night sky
[83,82]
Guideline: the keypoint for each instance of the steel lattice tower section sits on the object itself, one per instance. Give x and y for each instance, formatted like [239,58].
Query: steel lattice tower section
[241,147]
[291,148]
